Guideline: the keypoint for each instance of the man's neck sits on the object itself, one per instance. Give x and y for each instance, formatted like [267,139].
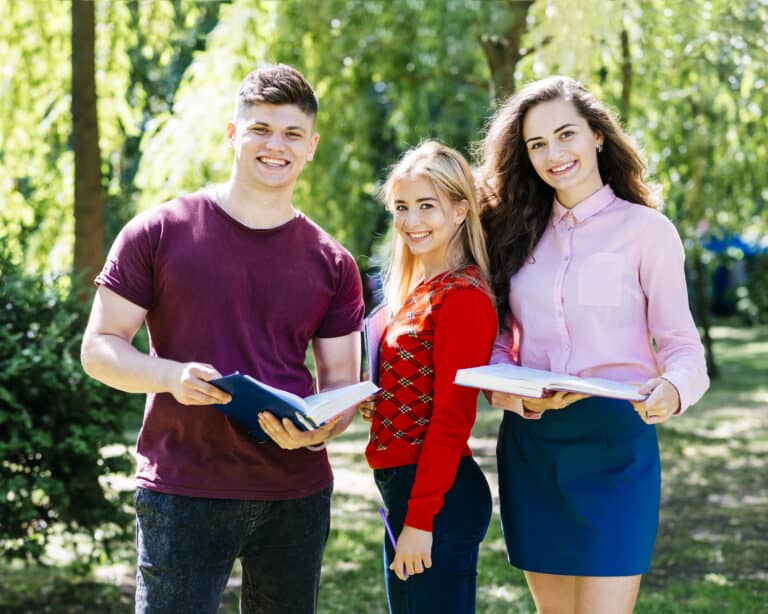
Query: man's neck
[256,208]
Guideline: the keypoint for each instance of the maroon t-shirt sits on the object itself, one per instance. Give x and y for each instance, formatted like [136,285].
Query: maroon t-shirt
[242,300]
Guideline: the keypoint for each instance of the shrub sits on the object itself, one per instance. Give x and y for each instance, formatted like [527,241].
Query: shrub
[54,420]
[753,295]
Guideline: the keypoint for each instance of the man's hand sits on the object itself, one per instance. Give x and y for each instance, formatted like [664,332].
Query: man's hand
[413,553]
[188,383]
[285,434]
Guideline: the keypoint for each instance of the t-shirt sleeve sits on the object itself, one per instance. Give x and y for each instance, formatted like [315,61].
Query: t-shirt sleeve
[464,335]
[128,270]
[345,313]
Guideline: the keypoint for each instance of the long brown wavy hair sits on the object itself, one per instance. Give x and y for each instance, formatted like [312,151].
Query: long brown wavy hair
[517,204]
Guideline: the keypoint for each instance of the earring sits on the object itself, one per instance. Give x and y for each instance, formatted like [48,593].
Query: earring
[599,148]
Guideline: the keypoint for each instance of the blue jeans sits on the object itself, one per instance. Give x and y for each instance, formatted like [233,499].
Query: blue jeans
[187,547]
[450,584]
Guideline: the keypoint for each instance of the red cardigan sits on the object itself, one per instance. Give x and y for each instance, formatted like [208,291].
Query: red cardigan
[447,323]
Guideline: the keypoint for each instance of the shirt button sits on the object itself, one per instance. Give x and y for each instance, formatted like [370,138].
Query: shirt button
[565,258]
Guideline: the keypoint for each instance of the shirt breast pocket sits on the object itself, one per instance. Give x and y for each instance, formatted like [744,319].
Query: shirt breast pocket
[600,280]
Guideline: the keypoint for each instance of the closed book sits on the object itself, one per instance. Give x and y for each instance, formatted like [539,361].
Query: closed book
[250,396]
[373,330]
[535,383]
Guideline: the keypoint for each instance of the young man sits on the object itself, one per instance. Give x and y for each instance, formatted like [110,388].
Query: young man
[226,280]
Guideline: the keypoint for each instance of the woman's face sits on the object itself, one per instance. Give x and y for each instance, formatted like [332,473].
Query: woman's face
[426,220]
[563,150]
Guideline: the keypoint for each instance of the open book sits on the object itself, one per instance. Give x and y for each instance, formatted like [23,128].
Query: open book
[525,382]
[250,396]
[373,329]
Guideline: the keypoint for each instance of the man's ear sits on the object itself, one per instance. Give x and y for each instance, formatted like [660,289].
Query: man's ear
[313,145]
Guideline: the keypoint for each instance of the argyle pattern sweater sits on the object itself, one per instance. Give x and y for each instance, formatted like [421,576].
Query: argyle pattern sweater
[447,323]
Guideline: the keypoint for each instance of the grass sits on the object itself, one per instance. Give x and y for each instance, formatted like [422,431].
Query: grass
[711,554]
[712,550]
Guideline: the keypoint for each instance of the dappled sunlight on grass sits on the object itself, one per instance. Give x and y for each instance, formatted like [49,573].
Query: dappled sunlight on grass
[711,555]
[715,493]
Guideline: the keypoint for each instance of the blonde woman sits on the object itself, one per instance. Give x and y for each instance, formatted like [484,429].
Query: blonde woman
[443,319]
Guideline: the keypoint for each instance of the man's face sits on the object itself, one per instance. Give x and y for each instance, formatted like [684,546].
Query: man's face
[272,144]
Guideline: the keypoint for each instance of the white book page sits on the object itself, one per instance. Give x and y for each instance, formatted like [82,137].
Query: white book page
[525,381]
[502,378]
[600,387]
[325,405]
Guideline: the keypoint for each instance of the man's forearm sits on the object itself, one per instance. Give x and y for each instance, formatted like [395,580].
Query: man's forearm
[115,362]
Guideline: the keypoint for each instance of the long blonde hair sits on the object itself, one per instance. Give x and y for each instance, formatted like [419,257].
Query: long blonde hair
[451,175]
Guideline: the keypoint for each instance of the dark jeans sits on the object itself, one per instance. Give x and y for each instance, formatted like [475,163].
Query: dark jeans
[187,547]
[450,584]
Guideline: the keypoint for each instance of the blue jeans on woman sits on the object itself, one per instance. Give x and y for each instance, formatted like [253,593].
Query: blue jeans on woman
[450,585]
[187,547]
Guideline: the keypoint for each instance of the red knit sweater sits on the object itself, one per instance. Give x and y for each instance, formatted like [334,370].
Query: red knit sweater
[447,323]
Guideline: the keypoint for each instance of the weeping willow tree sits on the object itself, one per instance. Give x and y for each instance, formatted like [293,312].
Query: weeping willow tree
[389,73]
[142,49]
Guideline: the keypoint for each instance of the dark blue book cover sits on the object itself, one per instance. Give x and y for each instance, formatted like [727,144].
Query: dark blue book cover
[250,396]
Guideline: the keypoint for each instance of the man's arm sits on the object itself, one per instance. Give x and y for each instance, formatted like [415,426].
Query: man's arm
[108,356]
[337,364]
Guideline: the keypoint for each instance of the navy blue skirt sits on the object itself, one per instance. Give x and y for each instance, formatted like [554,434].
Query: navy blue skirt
[579,489]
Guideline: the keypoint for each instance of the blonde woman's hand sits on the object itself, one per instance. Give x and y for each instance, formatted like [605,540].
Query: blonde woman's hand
[662,402]
[367,408]
[413,553]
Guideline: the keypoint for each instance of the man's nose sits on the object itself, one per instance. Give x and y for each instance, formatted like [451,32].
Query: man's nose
[275,141]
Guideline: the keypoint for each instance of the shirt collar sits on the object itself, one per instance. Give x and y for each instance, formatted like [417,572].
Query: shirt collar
[592,204]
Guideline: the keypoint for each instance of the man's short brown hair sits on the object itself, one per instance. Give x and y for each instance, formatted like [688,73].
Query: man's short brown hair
[277,84]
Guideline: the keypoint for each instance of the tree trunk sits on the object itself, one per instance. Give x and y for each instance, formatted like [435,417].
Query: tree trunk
[698,270]
[503,50]
[89,200]
[626,77]
[702,311]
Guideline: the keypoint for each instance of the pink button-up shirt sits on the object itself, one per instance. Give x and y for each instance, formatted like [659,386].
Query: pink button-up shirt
[605,282]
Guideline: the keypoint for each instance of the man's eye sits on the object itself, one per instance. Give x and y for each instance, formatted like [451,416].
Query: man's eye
[294,135]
